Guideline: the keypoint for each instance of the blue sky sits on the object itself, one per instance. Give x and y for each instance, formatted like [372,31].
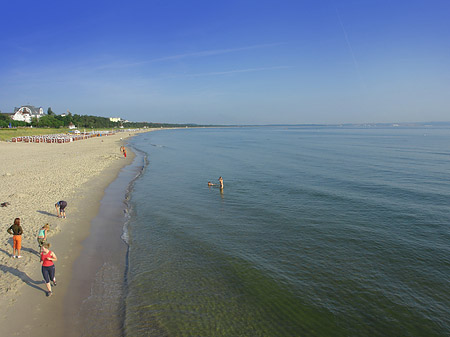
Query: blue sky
[229,62]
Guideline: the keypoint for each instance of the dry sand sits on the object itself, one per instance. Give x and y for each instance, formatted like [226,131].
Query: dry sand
[33,177]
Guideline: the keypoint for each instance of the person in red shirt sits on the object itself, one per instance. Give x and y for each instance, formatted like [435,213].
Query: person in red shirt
[48,267]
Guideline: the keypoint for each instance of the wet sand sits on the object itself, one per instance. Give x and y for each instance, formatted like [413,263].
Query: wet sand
[98,309]
[33,178]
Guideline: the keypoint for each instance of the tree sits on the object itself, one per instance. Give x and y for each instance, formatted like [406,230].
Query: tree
[35,122]
[50,122]
[49,111]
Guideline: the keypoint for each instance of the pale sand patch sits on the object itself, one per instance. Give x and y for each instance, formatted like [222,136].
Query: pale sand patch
[33,177]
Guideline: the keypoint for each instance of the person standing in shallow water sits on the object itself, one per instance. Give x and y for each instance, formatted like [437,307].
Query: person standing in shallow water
[17,231]
[221,182]
[48,267]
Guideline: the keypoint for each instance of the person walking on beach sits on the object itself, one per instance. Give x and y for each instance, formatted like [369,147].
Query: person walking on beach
[42,236]
[16,231]
[61,208]
[48,267]
[124,152]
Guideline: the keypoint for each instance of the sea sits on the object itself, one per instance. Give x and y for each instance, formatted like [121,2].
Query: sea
[318,231]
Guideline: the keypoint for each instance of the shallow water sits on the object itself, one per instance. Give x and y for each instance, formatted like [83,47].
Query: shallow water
[94,304]
[317,232]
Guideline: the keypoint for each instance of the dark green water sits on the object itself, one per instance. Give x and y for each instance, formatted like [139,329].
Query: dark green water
[318,232]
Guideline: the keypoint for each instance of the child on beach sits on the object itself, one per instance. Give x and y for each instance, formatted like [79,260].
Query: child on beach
[42,236]
[48,267]
[61,208]
[16,231]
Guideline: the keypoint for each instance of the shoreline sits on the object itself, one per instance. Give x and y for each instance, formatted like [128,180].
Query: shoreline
[97,305]
[92,166]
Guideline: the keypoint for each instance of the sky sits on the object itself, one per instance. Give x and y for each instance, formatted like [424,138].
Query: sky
[229,62]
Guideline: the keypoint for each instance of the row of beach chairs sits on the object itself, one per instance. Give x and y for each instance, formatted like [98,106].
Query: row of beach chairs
[59,138]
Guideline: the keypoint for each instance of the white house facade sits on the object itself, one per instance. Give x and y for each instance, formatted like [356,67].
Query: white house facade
[26,113]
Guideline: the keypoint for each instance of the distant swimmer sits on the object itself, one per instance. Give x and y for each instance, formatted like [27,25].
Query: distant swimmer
[211,184]
[221,182]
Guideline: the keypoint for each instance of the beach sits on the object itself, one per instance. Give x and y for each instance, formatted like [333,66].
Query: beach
[33,178]
[313,234]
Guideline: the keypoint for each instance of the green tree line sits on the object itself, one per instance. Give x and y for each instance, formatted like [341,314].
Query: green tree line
[52,120]
[5,120]
[80,121]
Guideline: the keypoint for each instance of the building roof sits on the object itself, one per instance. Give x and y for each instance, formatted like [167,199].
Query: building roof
[32,108]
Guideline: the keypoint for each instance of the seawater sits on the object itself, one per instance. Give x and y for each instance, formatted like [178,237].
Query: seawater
[317,232]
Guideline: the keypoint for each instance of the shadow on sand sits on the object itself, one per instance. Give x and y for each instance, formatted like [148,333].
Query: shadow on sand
[23,276]
[32,251]
[25,249]
[47,213]
[5,252]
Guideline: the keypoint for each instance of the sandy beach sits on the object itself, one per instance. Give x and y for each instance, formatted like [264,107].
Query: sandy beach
[33,177]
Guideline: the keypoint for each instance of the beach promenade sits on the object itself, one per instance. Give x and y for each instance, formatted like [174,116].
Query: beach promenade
[33,177]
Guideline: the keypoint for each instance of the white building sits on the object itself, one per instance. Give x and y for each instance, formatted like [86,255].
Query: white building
[115,119]
[26,113]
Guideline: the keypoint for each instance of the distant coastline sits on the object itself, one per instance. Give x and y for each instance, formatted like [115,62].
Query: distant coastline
[353,125]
